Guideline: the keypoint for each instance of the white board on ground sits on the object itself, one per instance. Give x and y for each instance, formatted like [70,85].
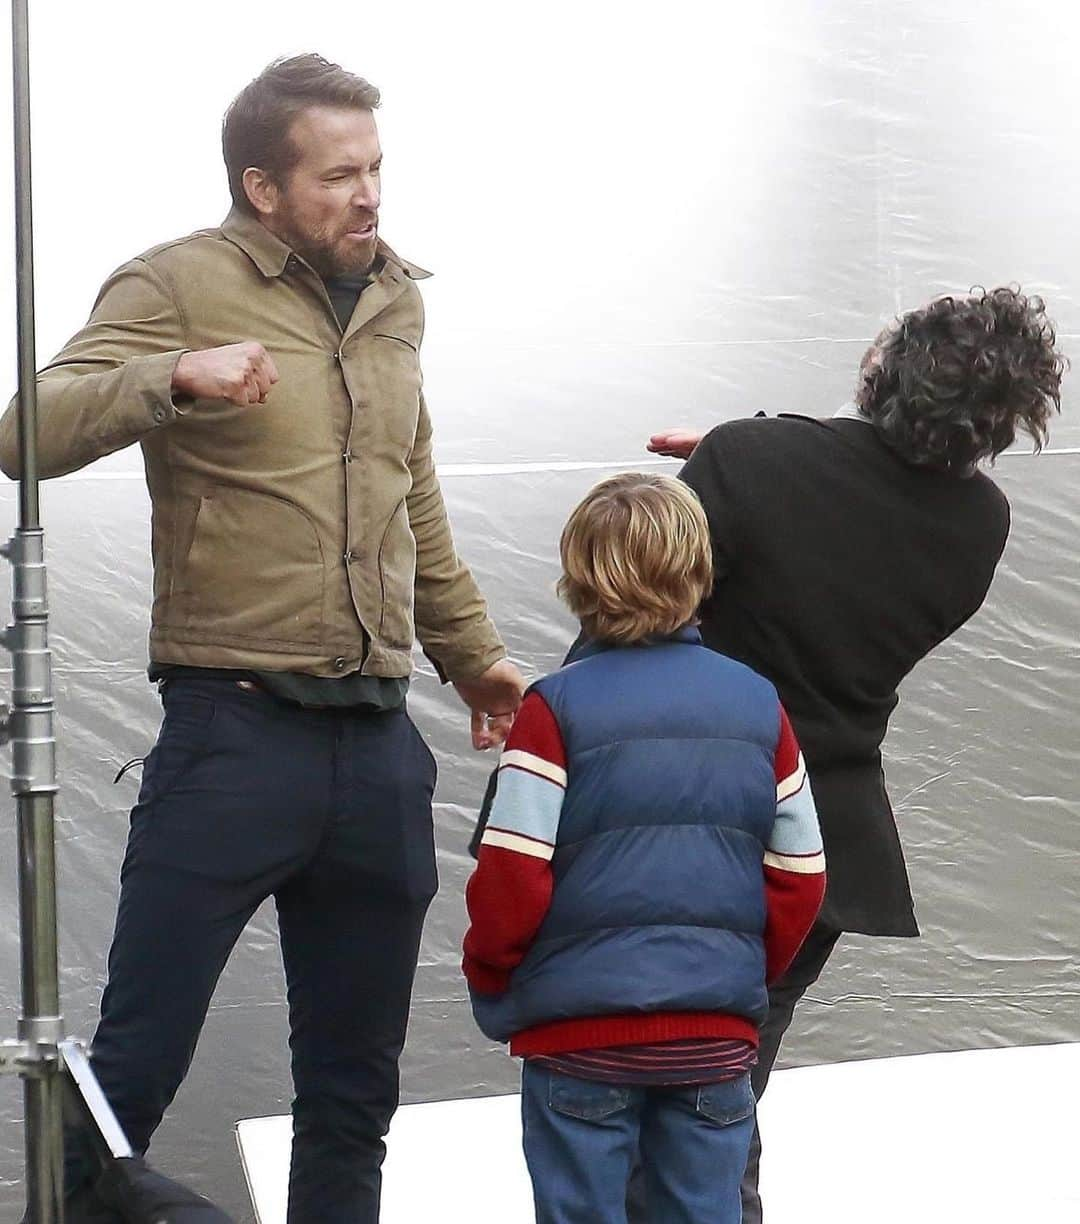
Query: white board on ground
[986,1135]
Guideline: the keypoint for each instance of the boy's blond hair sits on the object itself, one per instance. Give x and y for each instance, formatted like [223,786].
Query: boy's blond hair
[636,557]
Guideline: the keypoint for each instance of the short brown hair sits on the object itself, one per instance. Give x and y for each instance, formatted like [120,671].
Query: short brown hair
[636,557]
[256,127]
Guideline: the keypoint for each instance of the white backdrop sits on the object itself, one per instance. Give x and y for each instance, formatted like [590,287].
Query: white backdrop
[637,216]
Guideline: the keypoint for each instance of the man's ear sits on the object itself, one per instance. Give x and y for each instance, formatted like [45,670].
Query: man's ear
[261,191]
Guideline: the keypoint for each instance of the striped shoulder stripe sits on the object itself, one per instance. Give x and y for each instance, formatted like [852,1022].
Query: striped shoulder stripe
[793,783]
[516,842]
[800,864]
[517,758]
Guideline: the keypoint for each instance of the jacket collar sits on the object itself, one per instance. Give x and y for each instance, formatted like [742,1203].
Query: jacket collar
[271,256]
[585,648]
[850,412]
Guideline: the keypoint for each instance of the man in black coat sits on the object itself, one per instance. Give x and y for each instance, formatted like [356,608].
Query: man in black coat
[845,551]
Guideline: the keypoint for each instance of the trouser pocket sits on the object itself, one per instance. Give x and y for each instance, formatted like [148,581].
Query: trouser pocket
[726,1102]
[586,1099]
[182,740]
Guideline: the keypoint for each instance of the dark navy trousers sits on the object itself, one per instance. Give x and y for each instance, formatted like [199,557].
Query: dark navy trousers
[329,812]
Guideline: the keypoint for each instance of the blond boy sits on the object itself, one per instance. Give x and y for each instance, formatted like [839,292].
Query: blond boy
[652,860]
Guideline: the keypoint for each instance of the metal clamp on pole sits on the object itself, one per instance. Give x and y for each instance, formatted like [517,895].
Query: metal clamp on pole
[30,723]
[24,1058]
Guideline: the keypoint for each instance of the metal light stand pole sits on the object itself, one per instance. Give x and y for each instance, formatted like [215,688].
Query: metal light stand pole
[40,1054]
[55,1069]
[30,727]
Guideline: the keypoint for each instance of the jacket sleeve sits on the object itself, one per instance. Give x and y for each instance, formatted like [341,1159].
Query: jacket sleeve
[493,779]
[452,622]
[510,890]
[707,473]
[111,384]
[794,864]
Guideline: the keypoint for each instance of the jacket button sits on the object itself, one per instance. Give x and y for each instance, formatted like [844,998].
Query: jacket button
[347,457]
[337,356]
[350,557]
[340,663]
[159,414]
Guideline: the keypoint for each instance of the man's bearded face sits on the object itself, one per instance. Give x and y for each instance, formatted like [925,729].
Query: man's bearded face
[327,210]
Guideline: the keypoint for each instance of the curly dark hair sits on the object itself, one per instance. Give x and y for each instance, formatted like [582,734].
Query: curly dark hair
[950,384]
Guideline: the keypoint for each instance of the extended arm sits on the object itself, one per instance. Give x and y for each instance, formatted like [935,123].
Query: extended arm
[112,383]
[452,621]
[125,374]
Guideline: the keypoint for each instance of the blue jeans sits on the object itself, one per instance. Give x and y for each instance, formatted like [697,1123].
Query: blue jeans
[329,812]
[581,1139]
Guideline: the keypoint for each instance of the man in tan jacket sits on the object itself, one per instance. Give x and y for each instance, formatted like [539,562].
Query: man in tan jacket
[269,370]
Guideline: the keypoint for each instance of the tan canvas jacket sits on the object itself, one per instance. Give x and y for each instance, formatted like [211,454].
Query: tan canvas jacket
[281,531]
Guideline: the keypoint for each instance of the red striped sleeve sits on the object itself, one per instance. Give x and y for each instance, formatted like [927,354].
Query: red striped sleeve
[794,866]
[536,732]
[786,757]
[510,890]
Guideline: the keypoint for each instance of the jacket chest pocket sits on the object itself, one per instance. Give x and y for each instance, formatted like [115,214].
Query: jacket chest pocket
[254,571]
[390,368]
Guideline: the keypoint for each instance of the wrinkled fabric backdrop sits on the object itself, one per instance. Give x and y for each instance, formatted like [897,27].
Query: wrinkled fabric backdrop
[638,217]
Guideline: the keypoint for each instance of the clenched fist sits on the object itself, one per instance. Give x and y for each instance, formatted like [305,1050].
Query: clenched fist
[240,373]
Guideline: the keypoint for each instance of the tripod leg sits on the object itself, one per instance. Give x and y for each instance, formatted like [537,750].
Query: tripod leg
[107,1136]
[126,1188]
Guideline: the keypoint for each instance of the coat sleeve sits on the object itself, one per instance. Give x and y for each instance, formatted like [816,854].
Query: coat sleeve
[452,622]
[510,890]
[493,779]
[794,865]
[708,473]
[112,382]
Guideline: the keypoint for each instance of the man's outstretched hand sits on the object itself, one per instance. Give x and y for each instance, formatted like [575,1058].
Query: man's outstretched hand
[493,697]
[675,443]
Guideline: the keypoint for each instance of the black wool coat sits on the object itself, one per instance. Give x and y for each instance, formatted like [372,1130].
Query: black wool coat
[838,567]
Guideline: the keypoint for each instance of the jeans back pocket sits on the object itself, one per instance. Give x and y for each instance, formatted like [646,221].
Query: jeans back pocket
[727,1102]
[586,1099]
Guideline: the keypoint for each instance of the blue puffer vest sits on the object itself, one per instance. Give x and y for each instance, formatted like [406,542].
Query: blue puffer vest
[659,900]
